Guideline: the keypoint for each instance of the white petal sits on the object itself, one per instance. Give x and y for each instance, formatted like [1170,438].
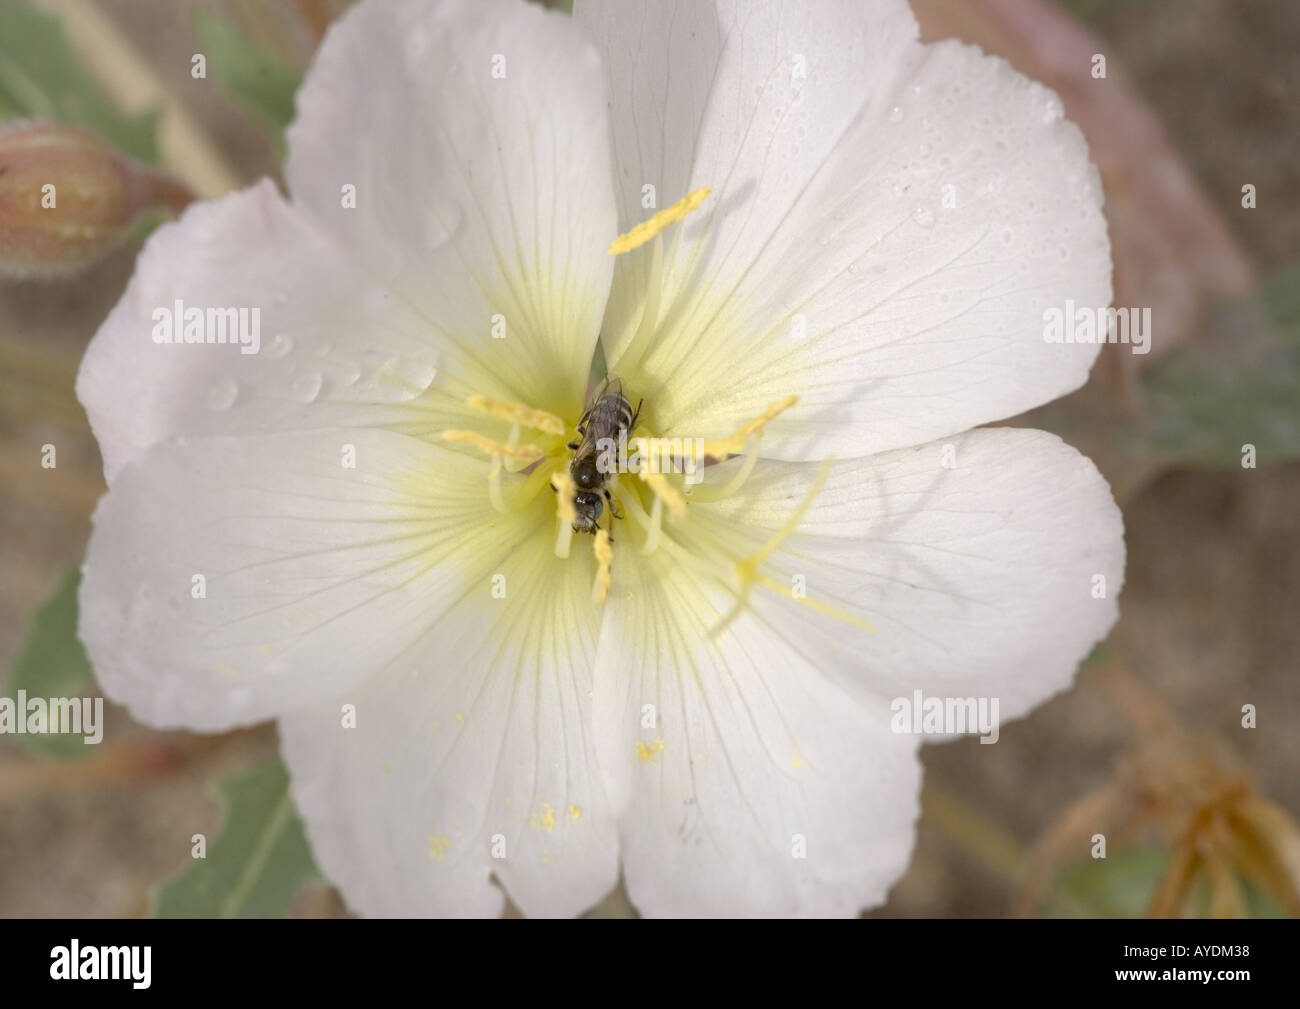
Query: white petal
[476,138]
[314,575]
[478,740]
[981,580]
[830,260]
[748,783]
[333,346]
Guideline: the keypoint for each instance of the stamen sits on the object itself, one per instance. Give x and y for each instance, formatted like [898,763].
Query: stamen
[565,493]
[528,453]
[748,574]
[537,420]
[604,563]
[705,494]
[494,474]
[736,443]
[656,530]
[647,230]
[664,491]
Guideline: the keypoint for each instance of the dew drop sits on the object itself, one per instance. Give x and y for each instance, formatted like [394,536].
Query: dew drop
[223,394]
[306,387]
[279,346]
[923,216]
[896,114]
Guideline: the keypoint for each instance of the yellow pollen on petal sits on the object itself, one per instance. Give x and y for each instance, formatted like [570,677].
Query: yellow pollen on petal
[604,551]
[736,442]
[647,230]
[545,820]
[527,416]
[528,453]
[438,847]
[647,751]
[575,812]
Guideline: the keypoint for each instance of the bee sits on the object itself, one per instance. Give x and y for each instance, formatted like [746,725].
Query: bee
[609,415]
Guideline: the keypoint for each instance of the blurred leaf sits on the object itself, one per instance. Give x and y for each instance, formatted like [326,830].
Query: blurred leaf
[40,78]
[257,864]
[1099,656]
[52,663]
[248,72]
[1234,385]
[1118,886]
[1122,885]
[1238,387]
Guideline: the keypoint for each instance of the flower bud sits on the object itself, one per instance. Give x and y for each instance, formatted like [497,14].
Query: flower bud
[66,198]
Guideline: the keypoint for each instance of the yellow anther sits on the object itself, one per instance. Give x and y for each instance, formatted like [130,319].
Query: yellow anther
[665,491]
[736,443]
[604,551]
[528,453]
[537,420]
[647,230]
[565,492]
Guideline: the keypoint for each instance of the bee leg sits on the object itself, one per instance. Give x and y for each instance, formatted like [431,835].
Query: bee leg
[632,426]
[572,446]
[614,510]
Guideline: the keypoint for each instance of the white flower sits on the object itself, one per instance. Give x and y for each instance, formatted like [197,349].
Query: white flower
[885,225]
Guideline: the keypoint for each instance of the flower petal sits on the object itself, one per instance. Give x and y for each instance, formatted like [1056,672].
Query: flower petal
[229,580]
[333,347]
[472,758]
[747,781]
[888,224]
[993,577]
[475,136]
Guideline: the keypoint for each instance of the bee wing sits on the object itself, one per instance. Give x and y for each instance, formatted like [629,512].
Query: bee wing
[611,385]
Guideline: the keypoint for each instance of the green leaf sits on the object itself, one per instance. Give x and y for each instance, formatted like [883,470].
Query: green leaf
[257,865]
[1118,886]
[248,72]
[41,78]
[1236,388]
[52,663]
[1123,884]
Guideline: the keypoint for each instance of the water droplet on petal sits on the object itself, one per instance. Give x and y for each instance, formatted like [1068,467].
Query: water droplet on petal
[223,394]
[896,114]
[923,216]
[306,387]
[279,346]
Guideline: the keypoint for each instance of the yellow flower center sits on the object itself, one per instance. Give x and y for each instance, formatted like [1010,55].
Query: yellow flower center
[545,455]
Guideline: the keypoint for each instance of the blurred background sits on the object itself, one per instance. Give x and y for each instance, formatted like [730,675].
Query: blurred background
[1197,117]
